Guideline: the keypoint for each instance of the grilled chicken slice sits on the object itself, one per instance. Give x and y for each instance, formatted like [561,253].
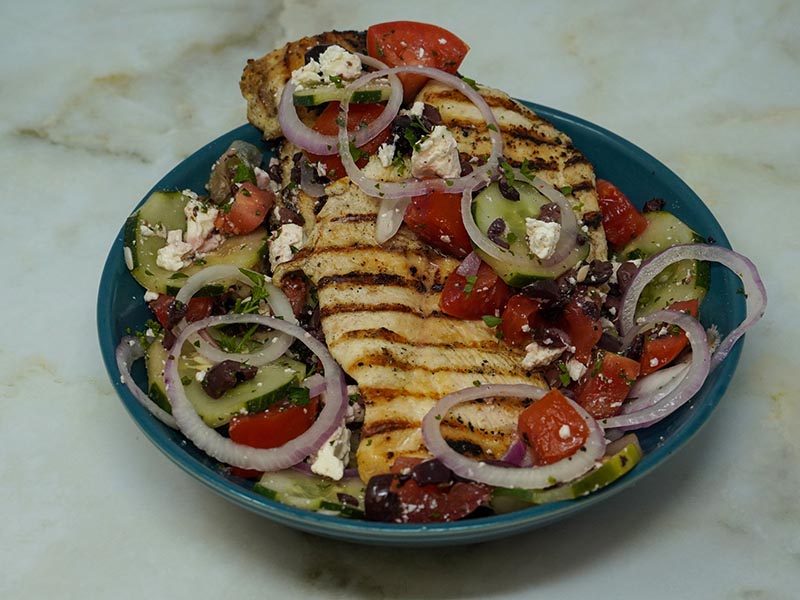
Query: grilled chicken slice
[526,137]
[379,313]
[263,79]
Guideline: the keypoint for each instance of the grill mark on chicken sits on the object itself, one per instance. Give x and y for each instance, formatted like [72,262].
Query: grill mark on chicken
[331,310]
[376,279]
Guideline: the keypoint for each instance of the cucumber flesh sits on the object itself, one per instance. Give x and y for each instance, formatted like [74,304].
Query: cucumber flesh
[684,280]
[313,492]
[314,96]
[269,386]
[162,212]
[612,468]
[489,205]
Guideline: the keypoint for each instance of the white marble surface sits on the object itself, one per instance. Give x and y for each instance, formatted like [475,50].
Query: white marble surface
[99,99]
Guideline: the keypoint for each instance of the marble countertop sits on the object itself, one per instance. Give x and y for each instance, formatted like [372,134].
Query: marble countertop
[99,99]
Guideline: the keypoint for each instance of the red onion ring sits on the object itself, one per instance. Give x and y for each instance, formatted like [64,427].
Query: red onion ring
[643,412]
[470,265]
[276,299]
[259,459]
[566,241]
[307,139]
[420,187]
[658,384]
[754,291]
[536,477]
[390,218]
[128,352]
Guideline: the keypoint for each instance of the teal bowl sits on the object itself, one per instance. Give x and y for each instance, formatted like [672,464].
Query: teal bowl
[121,308]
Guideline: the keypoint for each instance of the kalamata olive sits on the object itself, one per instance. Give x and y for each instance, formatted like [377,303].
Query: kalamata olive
[431,471]
[380,502]
[225,376]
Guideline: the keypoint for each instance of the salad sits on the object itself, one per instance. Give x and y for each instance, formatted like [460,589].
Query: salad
[424,306]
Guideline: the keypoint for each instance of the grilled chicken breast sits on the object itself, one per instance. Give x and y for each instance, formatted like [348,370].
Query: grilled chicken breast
[379,312]
[263,79]
[379,303]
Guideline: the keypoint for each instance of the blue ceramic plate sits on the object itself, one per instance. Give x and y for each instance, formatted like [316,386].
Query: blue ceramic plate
[120,308]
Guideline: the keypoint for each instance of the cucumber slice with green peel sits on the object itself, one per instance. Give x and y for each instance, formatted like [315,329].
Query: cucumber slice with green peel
[313,492]
[368,94]
[270,385]
[490,205]
[684,280]
[623,457]
[144,235]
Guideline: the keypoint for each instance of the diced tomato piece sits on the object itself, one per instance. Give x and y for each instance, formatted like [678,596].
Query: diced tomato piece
[519,319]
[583,329]
[198,308]
[250,207]
[606,385]
[358,115]
[472,297]
[410,43]
[552,428]
[436,219]
[660,350]
[621,220]
[273,427]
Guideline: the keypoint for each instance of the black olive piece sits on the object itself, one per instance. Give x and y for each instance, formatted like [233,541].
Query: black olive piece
[592,219]
[599,272]
[495,232]
[609,342]
[431,471]
[508,191]
[625,273]
[380,502]
[550,213]
[347,499]
[654,205]
[551,337]
[226,375]
[175,312]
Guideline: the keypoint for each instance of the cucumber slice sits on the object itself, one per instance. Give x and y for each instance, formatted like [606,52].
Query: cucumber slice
[614,466]
[312,492]
[270,384]
[314,96]
[162,212]
[490,205]
[684,280]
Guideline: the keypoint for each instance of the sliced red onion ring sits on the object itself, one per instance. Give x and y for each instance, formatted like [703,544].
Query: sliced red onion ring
[307,139]
[245,457]
[754,291]
[566,241]
[658,384]
[470,265]
[315,384]
[390,218]
[420,187]
[276,299]
[524,477]
[128,352]
[643,412]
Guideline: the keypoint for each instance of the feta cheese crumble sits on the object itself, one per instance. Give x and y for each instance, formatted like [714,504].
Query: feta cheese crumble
[564,432]
[335,62]
[542,237]
[331,459]
[200,218]
[436,155]
[386,154]
[282,246]
[576,369]
[175,254]
[539,356]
